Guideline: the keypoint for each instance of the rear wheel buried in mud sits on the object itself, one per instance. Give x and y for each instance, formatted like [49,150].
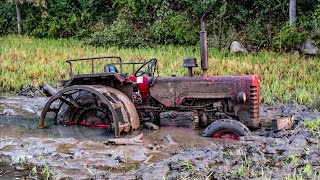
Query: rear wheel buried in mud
[226,128]
[92,112]
[95,105]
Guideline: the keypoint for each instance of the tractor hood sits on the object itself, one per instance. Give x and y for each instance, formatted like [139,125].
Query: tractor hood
[172,91]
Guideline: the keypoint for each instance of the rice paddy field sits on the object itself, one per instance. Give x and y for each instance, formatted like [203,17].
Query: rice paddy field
[284,78]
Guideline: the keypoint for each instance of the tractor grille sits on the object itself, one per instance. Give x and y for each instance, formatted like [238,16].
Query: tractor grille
[255,103]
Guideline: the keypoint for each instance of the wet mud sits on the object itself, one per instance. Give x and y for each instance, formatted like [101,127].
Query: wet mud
[78,152]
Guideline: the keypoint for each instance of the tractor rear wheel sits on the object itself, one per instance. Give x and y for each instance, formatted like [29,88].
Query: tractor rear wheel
[92,105]
[226,128]
[91,113]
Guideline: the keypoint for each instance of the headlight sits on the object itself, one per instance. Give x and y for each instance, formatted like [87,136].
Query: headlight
[241,97]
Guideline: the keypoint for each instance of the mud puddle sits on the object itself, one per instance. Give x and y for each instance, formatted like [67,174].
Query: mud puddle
[78,152]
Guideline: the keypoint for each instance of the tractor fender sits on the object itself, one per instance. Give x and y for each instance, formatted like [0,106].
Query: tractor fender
[226,126]
[127,104]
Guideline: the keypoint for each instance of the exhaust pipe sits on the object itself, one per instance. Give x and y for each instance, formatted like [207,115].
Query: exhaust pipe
[48,89]
[204,48]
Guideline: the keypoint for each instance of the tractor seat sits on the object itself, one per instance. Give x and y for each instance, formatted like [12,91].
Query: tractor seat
[109,68]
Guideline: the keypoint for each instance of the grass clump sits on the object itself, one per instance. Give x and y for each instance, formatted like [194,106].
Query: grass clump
[283,78]
[313,126]
[247,169]
[306,173]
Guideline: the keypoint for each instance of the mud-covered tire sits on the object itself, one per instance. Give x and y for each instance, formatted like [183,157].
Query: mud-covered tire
[109,105]
[68,113]
[226,126]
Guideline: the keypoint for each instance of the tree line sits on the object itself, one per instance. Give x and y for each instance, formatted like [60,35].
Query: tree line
[258,24]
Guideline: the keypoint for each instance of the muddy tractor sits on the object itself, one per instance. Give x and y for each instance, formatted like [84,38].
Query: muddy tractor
[119,101]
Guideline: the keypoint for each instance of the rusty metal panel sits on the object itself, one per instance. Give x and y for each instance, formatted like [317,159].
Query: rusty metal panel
[283,123]
[171,91]
[126,106]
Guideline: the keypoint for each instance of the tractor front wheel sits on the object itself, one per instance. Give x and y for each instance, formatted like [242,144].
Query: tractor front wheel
[226,128]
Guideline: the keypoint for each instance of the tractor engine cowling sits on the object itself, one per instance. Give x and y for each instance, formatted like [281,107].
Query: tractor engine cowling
[216,97]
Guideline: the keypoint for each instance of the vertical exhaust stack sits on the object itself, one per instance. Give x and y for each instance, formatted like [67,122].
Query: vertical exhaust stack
[204,48]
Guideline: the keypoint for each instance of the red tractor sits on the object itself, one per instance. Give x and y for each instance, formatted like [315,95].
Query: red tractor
[121,102]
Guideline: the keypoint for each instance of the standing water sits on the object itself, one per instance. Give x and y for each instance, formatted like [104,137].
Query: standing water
[76,152]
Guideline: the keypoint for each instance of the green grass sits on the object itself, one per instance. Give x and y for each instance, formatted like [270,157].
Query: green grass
[313,126]
[283,78]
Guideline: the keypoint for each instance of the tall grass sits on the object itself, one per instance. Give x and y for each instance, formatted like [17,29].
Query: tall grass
[283,78]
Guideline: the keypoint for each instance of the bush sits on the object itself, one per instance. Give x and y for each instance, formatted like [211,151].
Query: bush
[315,24]
[62,20]
[66,18]
[173,29]
[7,18]
[289,37]
[257,24]
[257,36]
[120,33]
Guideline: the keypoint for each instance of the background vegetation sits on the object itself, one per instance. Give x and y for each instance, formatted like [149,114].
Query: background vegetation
[138,29]
[284,78]
[257,23]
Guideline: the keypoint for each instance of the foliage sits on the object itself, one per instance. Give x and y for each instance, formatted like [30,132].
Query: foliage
[7,18]
[58,18]
[257,24]
[63,19]
[35,3]
[156,23]
[120,33]
[315,24]
[283,78]
[313,126]
[173,29]
[289,37]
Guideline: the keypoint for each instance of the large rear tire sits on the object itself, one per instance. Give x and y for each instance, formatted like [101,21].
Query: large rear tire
[91,114]
[93,105]
[226,126]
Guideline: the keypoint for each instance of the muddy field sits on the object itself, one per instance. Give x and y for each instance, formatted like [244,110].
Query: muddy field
[77,152]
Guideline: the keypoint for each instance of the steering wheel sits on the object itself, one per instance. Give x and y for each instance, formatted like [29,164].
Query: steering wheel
[152,64]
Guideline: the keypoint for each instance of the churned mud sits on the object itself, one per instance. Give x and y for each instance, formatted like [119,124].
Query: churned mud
[77,152]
